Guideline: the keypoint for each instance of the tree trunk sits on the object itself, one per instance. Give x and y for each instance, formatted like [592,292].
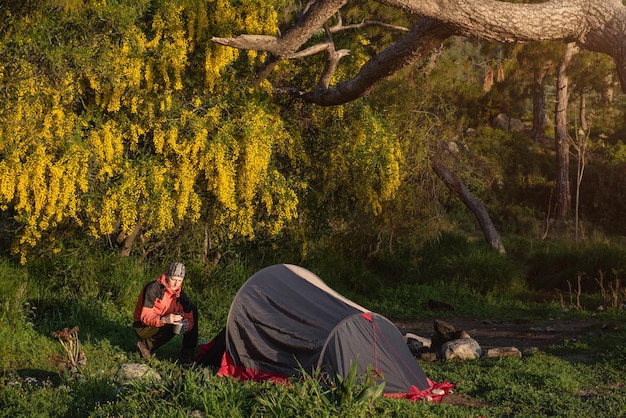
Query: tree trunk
[456,186]
[538,131]
[582,112]
[130,239]
[561,137]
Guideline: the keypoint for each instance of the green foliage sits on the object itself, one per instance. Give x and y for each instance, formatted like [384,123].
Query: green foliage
[472,263]
[604,188]
[353,390]
[558,265]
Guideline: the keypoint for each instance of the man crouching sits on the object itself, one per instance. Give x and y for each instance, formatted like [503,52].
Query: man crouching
[164,310]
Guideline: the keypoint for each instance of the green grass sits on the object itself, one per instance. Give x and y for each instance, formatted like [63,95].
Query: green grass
[573,379]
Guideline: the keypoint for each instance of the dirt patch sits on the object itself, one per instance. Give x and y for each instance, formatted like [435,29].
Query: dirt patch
[523,334]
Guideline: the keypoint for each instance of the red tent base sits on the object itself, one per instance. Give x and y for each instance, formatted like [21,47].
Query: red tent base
[435,393]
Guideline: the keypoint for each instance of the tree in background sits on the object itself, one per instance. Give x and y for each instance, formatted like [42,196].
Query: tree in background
[561,135]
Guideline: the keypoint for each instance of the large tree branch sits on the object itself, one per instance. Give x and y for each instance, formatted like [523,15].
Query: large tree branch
[333,60]
[281,47]
[504,22]
[425,36]
[596,25]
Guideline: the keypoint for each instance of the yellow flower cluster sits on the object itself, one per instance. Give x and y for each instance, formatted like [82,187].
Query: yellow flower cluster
[362,156]
[239,174]
[43,171]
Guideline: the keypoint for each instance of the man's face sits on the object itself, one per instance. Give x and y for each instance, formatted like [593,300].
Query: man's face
[174,282]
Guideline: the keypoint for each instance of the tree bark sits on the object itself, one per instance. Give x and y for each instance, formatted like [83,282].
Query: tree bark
[582,112]
[456,186]
[129,239]
[538,131]
[561,137]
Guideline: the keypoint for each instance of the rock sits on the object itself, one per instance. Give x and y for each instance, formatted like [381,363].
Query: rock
[462,334]
[135,371]
[462,349]
[409,337]
[443,328]
[445,332]
[429,357]
[417,345]
[503,352]
[507,123]
[516,125]
[502,121]
[453,147]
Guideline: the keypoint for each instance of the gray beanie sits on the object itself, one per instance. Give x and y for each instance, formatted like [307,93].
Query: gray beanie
[176,270]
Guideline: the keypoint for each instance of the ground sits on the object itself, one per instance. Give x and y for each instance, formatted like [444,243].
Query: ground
[522,334]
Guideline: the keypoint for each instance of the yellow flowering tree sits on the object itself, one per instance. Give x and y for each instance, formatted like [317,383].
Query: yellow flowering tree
[125,120]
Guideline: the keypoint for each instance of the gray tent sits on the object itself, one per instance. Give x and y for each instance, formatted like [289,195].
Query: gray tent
[284,319]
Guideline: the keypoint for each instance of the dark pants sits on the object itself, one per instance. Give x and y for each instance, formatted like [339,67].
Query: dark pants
[157,336]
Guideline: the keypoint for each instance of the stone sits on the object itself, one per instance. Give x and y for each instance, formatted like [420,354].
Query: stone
[502,121]
[507,123]
[417,345]
[425,342]
[445,332]
[516,125]
[503,352]
[428,357]
[443,328]
[461,349]
[135,371]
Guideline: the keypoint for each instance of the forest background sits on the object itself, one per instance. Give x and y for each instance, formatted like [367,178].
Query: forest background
[128,139]
[125,129]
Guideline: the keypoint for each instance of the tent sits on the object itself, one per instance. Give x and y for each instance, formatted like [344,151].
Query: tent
[285,320]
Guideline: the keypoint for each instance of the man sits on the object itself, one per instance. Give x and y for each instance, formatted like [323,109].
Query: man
[162,304]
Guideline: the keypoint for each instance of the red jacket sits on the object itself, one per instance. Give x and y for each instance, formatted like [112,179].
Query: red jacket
[157,299]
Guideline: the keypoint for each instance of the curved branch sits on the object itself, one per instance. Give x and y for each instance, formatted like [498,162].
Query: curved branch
[250,42]
[456,186]
[425,36]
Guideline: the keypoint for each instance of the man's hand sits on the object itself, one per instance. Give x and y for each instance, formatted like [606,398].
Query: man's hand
[171,318]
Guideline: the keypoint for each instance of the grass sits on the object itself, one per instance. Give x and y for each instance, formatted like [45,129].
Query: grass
[572,379]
